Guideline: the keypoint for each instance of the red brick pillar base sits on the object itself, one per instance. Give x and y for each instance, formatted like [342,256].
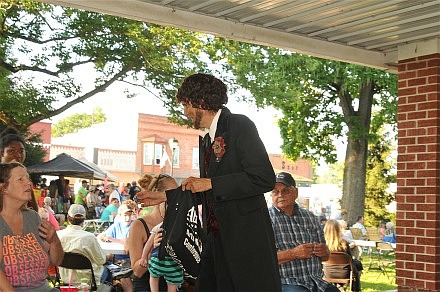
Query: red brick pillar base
[418,175]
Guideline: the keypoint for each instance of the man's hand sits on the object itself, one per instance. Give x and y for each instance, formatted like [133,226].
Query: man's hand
[150,198]
[303,251]
[196,185]
[321,250]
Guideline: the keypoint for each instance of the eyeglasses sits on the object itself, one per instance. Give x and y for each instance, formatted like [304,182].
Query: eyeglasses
[283,191]
[161,176]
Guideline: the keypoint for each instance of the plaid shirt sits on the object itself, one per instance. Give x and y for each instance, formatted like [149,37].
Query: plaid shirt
[291,231]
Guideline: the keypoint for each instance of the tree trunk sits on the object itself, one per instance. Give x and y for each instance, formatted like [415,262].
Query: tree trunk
[353,198]
[355,170]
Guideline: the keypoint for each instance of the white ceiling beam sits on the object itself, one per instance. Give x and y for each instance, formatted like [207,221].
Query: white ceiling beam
[343,15]
[273,10]
[307,12]
[147,12]
[385,26]
[393,33]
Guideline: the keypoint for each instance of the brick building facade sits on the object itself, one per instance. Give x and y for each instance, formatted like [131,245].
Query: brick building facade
[418,169]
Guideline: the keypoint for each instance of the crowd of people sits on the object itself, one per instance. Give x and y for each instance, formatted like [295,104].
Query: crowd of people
[246,246]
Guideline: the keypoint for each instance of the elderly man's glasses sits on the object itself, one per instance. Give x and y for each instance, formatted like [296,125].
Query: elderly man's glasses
[283,191]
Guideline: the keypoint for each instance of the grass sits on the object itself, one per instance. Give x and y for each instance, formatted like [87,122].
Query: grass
[373,280]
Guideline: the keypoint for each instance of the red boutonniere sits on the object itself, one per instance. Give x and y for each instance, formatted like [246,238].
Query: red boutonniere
[219,148]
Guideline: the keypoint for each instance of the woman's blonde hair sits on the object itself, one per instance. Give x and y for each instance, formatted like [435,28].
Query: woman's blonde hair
[333,236]
[154,182]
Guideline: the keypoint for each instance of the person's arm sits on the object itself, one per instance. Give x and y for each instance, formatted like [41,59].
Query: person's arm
[4,283]
[136,239]
[53,244]
[148,247]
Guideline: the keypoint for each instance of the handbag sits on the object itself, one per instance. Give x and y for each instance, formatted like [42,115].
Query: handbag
[182,237]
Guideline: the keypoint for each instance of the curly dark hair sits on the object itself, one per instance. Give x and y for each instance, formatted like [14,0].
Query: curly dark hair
[203,91]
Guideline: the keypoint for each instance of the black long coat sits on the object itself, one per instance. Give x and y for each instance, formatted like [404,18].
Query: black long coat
[239,180]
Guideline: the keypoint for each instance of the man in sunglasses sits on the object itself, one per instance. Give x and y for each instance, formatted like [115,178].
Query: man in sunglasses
[299,240]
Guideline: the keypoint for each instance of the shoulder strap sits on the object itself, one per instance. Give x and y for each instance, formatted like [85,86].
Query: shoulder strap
[147,230]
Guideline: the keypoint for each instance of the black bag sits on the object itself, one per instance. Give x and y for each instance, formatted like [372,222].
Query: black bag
[182,237]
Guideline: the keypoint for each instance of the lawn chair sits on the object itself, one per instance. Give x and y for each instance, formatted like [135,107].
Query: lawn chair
[385,257]
[343,260]
[373,234]
[76,261]
[357,233]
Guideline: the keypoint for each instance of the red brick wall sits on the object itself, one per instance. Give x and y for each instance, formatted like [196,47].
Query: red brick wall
[418,175]
[300,167]
[45,132]
[162,130]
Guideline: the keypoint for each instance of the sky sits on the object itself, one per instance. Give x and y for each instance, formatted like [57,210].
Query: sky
[122,114]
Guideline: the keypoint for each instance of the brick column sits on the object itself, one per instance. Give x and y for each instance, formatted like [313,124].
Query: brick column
[418,174]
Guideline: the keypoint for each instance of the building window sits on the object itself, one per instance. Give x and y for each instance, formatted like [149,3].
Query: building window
[158,152]
[176,155]
[195,158]
[148,153]
[152,150]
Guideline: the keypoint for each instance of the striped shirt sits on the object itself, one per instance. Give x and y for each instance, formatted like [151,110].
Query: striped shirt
[291,231]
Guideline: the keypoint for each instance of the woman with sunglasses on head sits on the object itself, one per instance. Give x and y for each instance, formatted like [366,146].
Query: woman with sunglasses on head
[27,244]
[140,231]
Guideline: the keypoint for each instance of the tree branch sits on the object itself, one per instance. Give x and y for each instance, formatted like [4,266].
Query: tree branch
[82,98]
[40,42]
[65,67]
[143,87]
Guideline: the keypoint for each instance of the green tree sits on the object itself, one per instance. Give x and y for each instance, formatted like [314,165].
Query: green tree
[321,100]
[380,173]
[45,49]
[75,122]
[333,175]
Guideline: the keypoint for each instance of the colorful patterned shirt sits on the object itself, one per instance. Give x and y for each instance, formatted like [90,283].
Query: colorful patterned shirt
[25,259]
[291,231]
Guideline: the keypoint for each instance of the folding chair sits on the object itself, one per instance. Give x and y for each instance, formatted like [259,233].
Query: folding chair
[385,258]
[373,234]
[342,260]
[356,233]
[76,261]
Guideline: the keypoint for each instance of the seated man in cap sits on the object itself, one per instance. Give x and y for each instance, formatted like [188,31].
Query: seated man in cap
[74,239]
[299,240]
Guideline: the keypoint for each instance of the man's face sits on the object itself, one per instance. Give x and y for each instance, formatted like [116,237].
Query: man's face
[194,114]
[283,197]
[13,152]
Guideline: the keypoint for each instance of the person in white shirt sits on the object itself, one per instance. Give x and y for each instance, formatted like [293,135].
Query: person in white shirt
[74,239]
[47,205]
[360,224]
[113,191]
[356,251]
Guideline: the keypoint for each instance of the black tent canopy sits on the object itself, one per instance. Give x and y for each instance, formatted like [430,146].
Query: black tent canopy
[67,165]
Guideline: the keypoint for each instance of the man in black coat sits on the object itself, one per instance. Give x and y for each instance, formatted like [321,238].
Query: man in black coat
[239,248]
